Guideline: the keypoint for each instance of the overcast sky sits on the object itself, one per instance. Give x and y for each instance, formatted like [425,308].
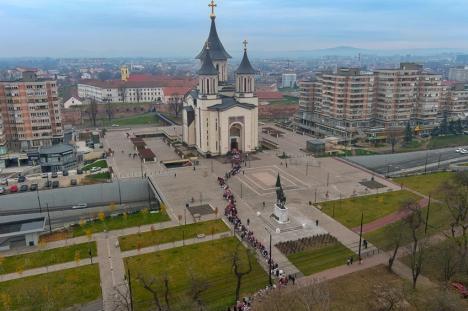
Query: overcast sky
[179,27]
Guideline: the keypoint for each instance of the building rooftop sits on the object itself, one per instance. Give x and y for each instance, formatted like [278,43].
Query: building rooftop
[207,67]
[21,224]
[229,102]
[59,148]
[216,47]
[245,66]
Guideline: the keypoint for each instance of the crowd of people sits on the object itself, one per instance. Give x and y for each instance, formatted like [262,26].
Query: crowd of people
[247,235]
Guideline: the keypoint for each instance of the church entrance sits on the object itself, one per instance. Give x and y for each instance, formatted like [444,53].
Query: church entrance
[235,137]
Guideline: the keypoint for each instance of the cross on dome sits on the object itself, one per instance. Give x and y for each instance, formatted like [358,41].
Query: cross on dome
[245,42]
[212,5]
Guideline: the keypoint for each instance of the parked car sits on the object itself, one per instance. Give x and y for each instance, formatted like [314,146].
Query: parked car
[13,188]
[33,187]
[2,190]
[24,188]
[79,171]
[80,205]
[73,182]
[464,151]
[21,178]
[115,125]
[45,175]
[65,173]
[55,184]
[48,184]
[95,169]
[3,181]
[54,175]
[460,288]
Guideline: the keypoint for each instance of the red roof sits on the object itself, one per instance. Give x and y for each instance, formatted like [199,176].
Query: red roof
[176,90]
[147,154]
[269,95]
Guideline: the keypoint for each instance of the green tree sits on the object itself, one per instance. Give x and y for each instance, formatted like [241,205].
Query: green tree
[408,133]
[444,124]
[459,126]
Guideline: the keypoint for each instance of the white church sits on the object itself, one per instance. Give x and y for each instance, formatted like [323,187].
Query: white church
[219,117]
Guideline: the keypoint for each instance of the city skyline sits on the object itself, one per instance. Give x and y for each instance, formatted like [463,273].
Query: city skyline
[164,29]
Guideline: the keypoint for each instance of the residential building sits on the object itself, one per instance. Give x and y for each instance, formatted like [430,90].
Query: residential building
[351,103]
[3,142]
[30,111]
[459,74]
[337,104]
[72,101]
[57,158]
[406,94]
[288,80]
[457,102]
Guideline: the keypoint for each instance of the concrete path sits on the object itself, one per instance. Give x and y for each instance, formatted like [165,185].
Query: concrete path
[47,269]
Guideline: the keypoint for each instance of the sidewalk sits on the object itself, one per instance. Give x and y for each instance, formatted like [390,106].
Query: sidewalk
[47,269]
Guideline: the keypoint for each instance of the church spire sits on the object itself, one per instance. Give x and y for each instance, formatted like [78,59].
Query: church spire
[207,68]
[218,53]
[245,67]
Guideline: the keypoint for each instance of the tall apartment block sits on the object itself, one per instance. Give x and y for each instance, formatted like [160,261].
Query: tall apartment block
[351,103]
[30,112]
[456,102]
[338,104]
[407,94]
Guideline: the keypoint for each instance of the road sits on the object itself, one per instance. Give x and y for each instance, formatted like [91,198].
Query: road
[391,164]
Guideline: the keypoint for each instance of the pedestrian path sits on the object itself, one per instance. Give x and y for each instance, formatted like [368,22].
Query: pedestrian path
[47,269]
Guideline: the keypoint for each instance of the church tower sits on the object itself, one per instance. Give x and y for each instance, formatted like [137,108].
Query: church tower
[219,55]
[208,78]
[245,76]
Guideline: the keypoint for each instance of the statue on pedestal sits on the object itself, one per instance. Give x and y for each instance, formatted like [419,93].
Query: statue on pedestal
[280,213]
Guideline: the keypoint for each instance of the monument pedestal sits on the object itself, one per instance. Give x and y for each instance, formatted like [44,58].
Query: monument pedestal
[280,214]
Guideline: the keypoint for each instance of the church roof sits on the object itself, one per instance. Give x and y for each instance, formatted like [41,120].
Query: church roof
[228,103]
[245,66]
[207,67]
[216,47]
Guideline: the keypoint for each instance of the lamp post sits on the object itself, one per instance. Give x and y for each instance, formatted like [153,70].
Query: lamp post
[48,216]
[360,237]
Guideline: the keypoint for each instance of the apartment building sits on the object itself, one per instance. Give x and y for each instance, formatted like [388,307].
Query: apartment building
[459,74]
[3,143]
[456,103]
[338,104]
[407,94]
[30,112]
[351,103]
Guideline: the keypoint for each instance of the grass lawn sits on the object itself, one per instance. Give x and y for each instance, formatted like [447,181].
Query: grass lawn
[52,291]
[44,258]
[426,184]
[318,259]
[439,220]
[209,261]
[168,235]
[348,211]
[448,141]
[355,291]
[120,222]
[102,175]
[414,145]
[110,223]
[99,163]
[146,118]
[435,259]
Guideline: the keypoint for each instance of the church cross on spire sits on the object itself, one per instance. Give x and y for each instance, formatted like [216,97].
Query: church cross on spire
[245,42]
[212,5]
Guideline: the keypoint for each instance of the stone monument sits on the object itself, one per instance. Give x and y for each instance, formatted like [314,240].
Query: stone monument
[280,214]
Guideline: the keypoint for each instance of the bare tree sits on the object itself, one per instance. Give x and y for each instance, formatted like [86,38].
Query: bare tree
[237,264]
[393,136]
[415,223]
[456,201]
[122,300]
[313,297]
[387,298]
[396,236]
[176,105]
[198,285]
[150,285]
[93,110]
[109,110]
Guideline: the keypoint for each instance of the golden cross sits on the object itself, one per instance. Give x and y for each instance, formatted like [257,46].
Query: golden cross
[212,5]
[245,42]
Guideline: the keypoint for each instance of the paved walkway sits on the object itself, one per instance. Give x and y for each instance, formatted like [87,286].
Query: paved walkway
[47,269]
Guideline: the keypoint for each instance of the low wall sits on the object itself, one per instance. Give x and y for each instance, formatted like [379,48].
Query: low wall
[131,190]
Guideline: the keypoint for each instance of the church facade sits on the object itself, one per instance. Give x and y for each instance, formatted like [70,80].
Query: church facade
[218,116]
